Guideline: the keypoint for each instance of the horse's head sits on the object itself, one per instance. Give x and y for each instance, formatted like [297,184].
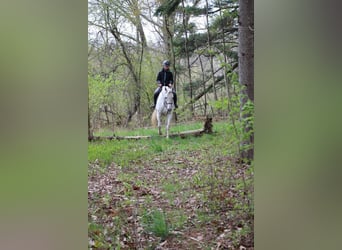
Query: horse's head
[168,98]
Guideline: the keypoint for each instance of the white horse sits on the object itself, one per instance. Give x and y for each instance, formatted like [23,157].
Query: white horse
[164,106]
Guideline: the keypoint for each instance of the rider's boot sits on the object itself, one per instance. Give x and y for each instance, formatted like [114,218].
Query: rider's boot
[175,100]
[155,96]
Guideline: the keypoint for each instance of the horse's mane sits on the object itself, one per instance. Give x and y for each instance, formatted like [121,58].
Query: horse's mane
[162,92]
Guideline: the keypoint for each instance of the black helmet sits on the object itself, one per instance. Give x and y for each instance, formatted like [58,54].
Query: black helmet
[166,63]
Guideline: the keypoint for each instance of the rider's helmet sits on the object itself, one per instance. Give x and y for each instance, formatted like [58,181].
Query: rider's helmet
[166,63]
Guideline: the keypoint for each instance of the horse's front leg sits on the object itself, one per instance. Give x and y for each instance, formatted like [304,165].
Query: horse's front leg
[159,124]
[167,132]
[168,120]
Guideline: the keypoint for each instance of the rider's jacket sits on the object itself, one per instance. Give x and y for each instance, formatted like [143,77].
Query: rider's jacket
[165,77]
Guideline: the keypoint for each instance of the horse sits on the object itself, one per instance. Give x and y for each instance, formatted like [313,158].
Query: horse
[164,106]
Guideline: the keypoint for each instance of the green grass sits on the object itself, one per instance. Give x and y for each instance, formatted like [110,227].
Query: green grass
[177,219]
[125,152]
[174,128]
[155,222]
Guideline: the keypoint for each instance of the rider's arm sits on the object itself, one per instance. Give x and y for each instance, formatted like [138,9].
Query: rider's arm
[171,80]
[159,79]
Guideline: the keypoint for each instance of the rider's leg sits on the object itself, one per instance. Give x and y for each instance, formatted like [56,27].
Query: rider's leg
[175,99]
[155,96]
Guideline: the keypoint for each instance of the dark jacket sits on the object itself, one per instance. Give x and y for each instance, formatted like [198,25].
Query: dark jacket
[165,77]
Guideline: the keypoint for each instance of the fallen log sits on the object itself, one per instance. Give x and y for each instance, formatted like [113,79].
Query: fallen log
[137,137]
[197,132]
[207,129]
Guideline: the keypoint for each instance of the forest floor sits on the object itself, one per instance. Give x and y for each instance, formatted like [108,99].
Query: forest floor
[190,193]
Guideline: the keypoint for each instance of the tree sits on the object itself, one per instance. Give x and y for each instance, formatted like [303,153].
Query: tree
[114,18]
[167,11]
[246,67]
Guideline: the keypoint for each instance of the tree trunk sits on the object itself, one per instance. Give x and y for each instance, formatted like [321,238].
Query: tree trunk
[106,114]
[207,89]
[203,78]
[210,50]
[246,64]
[203,82]
[185,26]
[168,33]
[136,106]
[226,80]
[90,132]
[143,47]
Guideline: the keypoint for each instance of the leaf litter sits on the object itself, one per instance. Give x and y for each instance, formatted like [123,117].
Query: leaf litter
[207,201]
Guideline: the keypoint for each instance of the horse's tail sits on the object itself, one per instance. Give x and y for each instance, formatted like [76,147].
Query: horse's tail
[154,118]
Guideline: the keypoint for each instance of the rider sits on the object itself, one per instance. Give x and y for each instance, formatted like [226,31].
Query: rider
[165,78]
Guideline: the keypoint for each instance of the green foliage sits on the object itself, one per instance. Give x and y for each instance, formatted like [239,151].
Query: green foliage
[99,91]
[238,234]
[227,20]
[195,11]
[155,222]
[248,117]
[110,83]
[119,152]
[203,217]
[221,104]
[102,151]
[156,147]
[106,91]
[195,41]
[200,179]
[167,8]
[170,190]
[99,234]
[177,219]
